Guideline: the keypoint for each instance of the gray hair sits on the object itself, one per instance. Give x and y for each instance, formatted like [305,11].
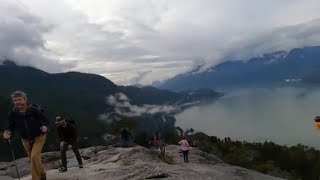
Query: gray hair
[19,94]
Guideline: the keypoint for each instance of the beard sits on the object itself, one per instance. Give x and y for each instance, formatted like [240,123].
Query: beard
[20,105]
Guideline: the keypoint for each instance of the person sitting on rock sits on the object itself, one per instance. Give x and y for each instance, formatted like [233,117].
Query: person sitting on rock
[67,132]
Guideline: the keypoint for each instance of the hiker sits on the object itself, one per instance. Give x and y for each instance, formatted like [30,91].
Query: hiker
[317,122]
[32,126]
[160,140]
[184,148]
[125,136]
[161,143]
[154,140]
[67,132]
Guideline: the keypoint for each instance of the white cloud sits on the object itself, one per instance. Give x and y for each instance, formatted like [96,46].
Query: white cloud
[122,106]
[146,40]
[21,38]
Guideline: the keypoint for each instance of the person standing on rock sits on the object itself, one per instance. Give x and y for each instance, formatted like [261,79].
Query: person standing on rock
[161,142]
[32,126]
[67,132]
[125,136]
[153,140]
[184,148]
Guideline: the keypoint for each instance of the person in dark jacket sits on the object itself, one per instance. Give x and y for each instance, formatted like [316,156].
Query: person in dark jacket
[67,132]
[30,123]
[125,136]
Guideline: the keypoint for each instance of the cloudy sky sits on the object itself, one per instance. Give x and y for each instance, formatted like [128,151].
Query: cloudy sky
[142,41]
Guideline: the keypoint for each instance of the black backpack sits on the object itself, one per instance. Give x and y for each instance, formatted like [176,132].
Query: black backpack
[71,121]
[36,106]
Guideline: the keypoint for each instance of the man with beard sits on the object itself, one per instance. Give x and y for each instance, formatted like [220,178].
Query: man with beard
[32,125]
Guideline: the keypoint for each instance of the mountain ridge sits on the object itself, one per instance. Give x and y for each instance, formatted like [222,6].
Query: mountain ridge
[84,98]
[267,70]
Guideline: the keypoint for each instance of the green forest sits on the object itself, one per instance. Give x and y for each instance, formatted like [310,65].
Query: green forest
[295,162]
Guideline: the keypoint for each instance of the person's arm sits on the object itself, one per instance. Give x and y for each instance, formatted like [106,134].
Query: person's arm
[60,134]
[187,143]
[180,142]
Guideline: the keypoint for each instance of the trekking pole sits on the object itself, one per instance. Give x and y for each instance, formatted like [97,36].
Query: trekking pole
[14,158]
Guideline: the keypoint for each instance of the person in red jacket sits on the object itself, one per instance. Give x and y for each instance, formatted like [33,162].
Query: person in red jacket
[67,132]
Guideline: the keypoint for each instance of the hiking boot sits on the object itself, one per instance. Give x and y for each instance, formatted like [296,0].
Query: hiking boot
[63,169]
[80,166]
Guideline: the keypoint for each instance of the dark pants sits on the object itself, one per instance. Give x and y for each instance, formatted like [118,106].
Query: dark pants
[125,142]
[64,154]
[185,155]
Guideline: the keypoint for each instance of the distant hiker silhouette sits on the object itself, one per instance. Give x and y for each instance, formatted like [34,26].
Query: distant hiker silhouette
[125,136]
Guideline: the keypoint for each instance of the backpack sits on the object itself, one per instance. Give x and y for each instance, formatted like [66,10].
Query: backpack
[36,106]
[71,121]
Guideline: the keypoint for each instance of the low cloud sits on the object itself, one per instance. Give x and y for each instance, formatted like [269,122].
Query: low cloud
[123,107]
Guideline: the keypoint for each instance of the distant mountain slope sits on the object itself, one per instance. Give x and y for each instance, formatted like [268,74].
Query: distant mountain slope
[271,69]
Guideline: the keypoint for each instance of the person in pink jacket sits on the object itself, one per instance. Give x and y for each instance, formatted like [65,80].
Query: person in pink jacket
[184,148]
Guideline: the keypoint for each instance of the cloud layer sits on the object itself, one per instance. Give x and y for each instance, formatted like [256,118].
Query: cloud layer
[22,38]
[148,40]
[122,106]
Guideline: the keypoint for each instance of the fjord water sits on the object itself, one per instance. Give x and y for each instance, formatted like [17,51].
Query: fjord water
[282,115]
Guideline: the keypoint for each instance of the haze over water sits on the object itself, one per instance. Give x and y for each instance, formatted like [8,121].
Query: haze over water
[281,115]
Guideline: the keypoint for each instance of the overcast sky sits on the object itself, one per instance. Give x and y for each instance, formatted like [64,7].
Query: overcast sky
[142,41]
